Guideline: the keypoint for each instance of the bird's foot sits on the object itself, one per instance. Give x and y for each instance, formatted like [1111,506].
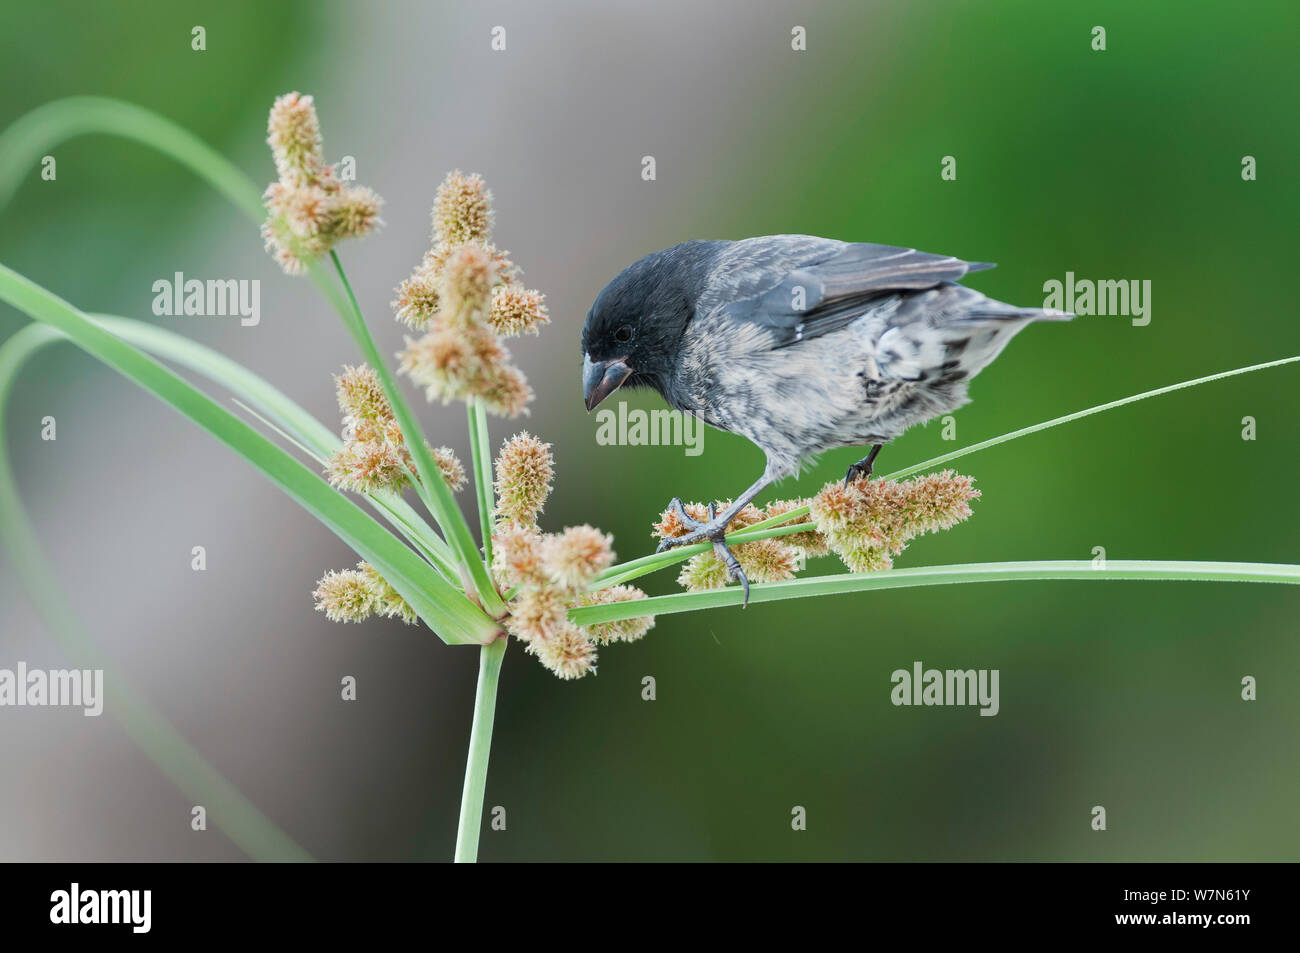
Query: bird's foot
[860,469]
[863,467]
[713,530]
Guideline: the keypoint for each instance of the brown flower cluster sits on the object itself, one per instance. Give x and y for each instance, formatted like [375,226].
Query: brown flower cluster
[374,455]
[552,572]
[465,297]
[866,523]
[869,522]
[309,209]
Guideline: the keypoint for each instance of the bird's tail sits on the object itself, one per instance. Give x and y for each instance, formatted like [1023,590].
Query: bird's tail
[995,312]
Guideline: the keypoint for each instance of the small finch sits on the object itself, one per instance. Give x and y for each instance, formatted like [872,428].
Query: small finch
[801,344]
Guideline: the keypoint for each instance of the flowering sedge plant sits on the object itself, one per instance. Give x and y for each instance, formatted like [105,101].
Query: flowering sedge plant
[560,592]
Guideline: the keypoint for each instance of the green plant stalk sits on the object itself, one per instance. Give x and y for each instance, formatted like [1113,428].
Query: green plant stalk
[634,568]
[480,749]
[444,608]
[481,454]
[201,783]
[433,488]
[942,575]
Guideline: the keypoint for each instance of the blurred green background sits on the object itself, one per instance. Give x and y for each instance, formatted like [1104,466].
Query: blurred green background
[1117,164]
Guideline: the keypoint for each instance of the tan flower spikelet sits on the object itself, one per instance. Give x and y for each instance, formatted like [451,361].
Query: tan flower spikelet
[867,522]
[623,630]
[703,571]
[368,466]
[517,310]
[468,278]
[450,467]
[309,209]
[344,596]
[507,393]
[538,613]
[569,654]
[361,396]
[811,544]
[524,472]
[293,133]
[386,600]
[867,559]
[357,212]
[417,300]
[517,555]
[939,501]
[462,210]
[767,560]
[573,557]
[352,595]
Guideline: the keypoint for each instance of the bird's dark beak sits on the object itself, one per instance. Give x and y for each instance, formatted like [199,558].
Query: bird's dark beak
[602,378]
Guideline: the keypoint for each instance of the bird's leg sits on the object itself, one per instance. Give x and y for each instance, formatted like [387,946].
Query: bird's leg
[863,466]
[715,530]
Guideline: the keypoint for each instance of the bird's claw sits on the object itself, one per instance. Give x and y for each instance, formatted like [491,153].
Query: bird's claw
[711,530]
[856,471]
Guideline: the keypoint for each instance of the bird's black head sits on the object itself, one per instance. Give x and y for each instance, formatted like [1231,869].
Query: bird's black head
[633,333]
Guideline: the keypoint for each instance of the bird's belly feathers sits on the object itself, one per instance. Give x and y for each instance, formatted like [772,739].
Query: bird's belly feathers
[863,384]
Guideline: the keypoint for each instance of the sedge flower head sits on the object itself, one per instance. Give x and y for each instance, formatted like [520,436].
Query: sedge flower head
[309,210]
[868,522]
[569,653]
[525,470]
[462,209]
[574,557]
[517,310]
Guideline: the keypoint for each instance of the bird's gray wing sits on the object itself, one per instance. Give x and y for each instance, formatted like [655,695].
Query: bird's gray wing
[797,287]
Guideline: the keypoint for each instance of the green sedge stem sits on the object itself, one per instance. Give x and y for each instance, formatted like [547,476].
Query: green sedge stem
[942,575]
[480,451]
[480,749]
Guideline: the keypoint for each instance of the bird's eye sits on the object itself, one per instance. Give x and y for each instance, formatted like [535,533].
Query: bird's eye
[623,334]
